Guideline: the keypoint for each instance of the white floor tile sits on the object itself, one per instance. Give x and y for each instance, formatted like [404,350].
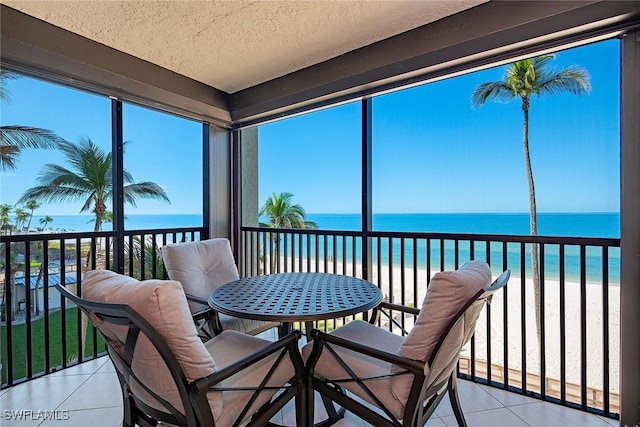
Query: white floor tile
[501,417]
[99,391]
[508,398]
[551,415]
[97,397]
[472,399]
[46,393]
[610,421]
[104,417]
[88,367]
[434,421]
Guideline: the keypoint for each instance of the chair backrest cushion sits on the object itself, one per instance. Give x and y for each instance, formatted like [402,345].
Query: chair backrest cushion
[163,305]
[201,267]
[447,293]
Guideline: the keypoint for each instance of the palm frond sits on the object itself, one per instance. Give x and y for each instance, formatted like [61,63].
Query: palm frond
[29,137]
[146,190]
[497,91]
[8,157]
[5,75]
[575,80]
[49,194]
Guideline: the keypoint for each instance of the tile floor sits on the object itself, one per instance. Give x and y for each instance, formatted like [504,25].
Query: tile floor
[89,395]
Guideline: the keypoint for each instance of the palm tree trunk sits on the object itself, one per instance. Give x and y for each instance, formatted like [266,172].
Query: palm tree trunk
[533,219]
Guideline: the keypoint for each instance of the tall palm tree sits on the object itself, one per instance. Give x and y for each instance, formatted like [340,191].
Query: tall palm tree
[32,205]
[15,138]
[87,179]
[5,221]
[21,218]
[281,212]
[522,80]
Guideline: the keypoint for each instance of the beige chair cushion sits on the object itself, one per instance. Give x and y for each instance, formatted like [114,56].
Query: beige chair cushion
[231,346]
[363,366]
[447,293]
[201,267]
[162,304]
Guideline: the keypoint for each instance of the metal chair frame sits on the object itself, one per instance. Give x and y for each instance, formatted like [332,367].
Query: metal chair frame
[422,400]
[197,412]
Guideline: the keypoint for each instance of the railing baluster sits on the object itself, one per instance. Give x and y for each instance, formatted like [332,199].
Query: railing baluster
[583,326]
[523,317]
[79,337]
[505,319]
[28,303]
[605,329]
[47,341]
[488,310]
[563,327]
[63,303]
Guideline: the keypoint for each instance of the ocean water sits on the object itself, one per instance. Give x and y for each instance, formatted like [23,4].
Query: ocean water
[549,224]
[70,223]
[598,225]
[605,225]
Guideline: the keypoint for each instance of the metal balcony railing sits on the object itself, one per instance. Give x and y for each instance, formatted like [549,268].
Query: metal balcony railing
[570,356]
[40,333]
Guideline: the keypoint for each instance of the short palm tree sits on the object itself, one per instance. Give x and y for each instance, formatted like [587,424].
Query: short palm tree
[522,80]
[44,221]
[87,179]
[15,138]
[281,212]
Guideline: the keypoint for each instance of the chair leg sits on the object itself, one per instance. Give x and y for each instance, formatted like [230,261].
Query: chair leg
[455,400]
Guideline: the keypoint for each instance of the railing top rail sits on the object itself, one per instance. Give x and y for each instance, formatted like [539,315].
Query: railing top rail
[32,237]
[559,240]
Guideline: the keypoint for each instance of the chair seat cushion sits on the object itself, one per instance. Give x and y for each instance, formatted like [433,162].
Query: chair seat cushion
[246,326]
[364,333]
[231,346]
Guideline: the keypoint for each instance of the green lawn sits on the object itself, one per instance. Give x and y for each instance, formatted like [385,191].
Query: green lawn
[19,344]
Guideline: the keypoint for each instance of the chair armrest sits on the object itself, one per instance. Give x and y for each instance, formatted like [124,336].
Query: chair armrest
[195,298]
[203,385]
[380,309]
[398,307]
[319,337]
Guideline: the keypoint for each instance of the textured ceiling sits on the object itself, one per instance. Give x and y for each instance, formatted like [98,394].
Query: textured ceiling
[232,45]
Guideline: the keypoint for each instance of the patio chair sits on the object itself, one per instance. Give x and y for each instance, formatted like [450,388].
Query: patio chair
[168,374]
[402,378]
[201,267]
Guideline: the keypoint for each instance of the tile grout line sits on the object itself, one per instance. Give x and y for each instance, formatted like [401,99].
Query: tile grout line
[518,416]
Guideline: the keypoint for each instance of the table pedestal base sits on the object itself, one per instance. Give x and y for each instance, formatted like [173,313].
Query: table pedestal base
[333,415]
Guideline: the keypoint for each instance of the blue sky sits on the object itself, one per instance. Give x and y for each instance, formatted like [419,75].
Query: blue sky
[161,148]
[432,152]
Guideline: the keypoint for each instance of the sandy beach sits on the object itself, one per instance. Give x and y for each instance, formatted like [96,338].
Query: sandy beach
[509,299]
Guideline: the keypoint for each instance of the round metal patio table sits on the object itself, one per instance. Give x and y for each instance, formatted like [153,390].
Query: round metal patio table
[295,297]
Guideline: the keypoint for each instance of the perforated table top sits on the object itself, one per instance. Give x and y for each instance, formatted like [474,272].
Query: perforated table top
[292,297]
